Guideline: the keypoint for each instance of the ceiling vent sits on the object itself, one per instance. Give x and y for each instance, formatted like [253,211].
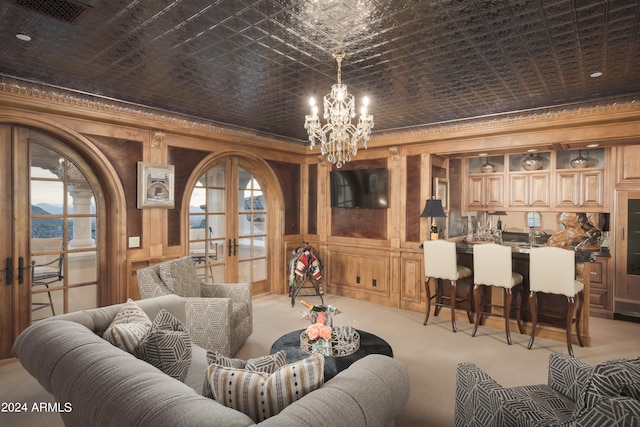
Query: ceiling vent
[62,10]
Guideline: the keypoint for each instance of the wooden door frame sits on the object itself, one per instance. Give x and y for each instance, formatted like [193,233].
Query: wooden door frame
[274,201]
[112,265]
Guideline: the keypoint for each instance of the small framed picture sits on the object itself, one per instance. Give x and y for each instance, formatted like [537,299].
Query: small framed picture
[442,192]
[155,185]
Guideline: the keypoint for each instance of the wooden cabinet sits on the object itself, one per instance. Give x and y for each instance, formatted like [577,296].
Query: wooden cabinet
[485,191]
[360,271]
[580,190]
[600,292]
[529,189]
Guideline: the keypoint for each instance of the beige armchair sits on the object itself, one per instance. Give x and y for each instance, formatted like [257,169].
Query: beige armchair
[219,315]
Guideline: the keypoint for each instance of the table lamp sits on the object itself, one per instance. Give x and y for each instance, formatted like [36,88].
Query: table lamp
[433,209]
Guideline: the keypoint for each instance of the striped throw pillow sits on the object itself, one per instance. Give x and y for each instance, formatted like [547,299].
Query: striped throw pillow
[267,364]
[260,395]
[130,325]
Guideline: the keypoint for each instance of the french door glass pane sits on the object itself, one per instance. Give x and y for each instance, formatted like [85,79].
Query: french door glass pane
[207,231]
[63,234]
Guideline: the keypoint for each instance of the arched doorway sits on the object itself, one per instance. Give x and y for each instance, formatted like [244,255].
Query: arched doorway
[234,222]
[54,202]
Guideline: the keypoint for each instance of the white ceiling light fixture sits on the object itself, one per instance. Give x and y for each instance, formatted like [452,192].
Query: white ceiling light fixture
[338,138]
[23,37]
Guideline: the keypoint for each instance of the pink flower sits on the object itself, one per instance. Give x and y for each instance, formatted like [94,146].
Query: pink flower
[312,332]
[322,317]
[325,332]
[318,330]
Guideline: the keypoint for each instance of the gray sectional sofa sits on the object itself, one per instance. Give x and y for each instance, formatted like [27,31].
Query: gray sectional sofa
[106,386]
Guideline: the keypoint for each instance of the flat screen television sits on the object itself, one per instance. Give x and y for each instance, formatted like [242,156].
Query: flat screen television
[359,188]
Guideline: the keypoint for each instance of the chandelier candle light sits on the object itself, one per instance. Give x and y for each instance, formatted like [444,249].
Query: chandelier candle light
[338,138]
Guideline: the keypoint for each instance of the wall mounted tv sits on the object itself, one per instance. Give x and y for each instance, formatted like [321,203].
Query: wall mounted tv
[359,188]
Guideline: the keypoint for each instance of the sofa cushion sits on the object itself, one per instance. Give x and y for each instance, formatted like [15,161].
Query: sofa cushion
[167,346]
[261,395]
[267,364]
[129,326]
[181,276]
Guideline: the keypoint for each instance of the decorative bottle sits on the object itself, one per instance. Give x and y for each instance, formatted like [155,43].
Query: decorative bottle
[434,230]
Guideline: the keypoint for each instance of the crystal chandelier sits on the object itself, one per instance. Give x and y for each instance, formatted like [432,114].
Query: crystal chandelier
[339,138]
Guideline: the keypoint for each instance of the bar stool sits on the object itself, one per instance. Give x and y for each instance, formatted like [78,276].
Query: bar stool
[552,270]
[492,267]
[440,263]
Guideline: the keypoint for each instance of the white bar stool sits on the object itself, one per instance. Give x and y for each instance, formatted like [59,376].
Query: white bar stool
[440,263]
[492,267]
[552,270]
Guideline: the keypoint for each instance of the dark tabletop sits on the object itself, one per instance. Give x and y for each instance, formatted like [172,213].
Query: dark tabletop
[369,344]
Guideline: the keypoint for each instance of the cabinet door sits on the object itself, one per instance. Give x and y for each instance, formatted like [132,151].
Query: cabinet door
[518,190]
[591,189]
[475,192]
[494,191]
[538,190]
[373,274]
[343,270]
[567,191]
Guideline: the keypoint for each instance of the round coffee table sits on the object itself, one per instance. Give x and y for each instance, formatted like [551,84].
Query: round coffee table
[369,344]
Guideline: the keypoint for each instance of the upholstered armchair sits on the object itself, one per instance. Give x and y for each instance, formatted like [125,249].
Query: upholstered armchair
[219,314]
[576,394]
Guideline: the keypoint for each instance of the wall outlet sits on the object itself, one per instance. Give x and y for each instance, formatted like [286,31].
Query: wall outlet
[134,242]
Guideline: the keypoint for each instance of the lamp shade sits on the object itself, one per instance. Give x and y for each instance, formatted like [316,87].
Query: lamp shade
[433,209]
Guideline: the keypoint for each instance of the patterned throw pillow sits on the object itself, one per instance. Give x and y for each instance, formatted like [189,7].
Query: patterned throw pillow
[261,395]
[167,346]
[267,364]
[128,328]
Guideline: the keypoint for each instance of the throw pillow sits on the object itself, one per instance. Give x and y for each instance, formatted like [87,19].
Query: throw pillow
[130,325]
[268,364]
[167,346]
[260,395]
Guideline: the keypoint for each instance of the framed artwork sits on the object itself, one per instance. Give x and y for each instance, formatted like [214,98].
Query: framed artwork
[155,185]
[442,192]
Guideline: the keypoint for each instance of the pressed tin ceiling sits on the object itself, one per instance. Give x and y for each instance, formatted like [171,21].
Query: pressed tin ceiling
[254,64]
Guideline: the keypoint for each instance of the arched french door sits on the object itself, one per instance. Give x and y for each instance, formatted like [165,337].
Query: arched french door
[230,224]
[49,226]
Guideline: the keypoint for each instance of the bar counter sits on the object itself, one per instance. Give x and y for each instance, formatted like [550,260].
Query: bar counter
[547,326]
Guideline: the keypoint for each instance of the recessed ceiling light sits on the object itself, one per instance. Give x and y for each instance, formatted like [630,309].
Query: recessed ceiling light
[596,74]
[532,150]
[592,145]
[23,37]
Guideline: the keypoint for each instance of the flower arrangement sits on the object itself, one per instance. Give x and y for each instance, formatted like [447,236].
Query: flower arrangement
[319,336]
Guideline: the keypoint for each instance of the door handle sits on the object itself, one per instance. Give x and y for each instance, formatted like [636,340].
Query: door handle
[20,270]
[235,247]
[9,271]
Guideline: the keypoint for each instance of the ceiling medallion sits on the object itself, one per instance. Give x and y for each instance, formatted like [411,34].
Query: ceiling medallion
[338,138]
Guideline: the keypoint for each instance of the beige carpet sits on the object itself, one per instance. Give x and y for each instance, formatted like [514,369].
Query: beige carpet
[431,353]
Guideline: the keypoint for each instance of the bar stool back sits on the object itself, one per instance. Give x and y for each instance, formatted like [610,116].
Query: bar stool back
[440,263]
[552,271]
[492,267]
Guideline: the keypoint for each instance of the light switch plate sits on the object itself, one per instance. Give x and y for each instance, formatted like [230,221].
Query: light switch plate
[134,242]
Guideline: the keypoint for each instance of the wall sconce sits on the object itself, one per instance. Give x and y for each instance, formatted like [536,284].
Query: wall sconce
[433,209]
